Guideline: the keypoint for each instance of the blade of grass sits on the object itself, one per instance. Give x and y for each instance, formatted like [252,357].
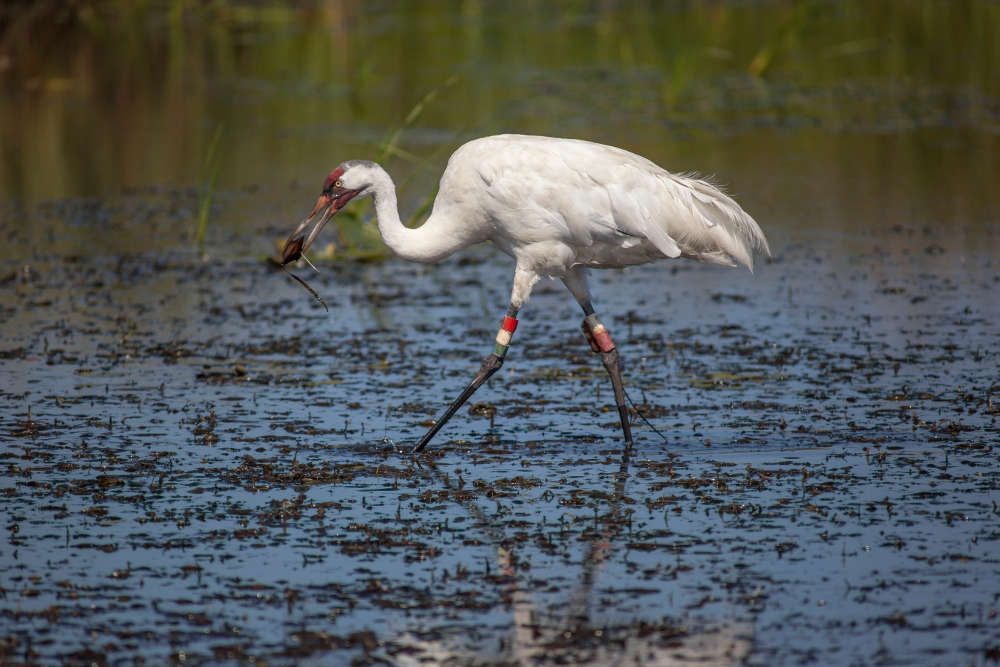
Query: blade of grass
[389,147]
[793,26]
[211,167]
[363,240]
[390,144]
[425,205]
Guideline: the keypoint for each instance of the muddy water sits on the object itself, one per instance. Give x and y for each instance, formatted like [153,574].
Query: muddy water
[202,464]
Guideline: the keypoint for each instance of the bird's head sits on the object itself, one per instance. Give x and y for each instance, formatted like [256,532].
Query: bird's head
[351,179]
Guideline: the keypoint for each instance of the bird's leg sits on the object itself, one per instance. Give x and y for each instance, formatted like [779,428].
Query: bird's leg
[600,341]
[491,365]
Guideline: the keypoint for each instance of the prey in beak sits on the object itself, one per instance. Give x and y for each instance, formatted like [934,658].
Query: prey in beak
[334,197]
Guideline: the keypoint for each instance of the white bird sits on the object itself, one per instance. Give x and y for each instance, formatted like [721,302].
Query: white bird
[558,207]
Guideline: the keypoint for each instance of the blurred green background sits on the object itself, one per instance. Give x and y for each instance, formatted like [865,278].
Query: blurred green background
[817,115]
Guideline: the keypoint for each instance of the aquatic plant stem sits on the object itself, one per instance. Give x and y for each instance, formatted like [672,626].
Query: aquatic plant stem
[211,165]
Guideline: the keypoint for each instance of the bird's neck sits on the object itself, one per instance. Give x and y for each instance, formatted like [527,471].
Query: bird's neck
[438,237]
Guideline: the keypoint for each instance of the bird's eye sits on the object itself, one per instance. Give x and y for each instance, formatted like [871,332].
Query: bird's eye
[338,184]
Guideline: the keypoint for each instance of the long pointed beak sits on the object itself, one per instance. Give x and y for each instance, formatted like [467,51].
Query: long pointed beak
[326,207]
[298,242]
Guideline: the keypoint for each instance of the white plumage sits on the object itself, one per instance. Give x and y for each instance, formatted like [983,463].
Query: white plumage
[607,206]
[557,206]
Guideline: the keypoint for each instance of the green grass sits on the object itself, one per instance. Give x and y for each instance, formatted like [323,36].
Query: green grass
[358,232]
[210,170]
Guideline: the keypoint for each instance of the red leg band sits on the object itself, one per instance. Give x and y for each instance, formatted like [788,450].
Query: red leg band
[597,335]
[603,340]
[504,335]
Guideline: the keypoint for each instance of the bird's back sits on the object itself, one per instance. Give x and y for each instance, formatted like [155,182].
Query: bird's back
[602,205]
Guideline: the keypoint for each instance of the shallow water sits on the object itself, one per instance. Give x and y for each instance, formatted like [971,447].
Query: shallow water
[203,465]
[211,467]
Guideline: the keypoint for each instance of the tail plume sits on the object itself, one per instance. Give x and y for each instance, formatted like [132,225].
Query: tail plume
[723,232]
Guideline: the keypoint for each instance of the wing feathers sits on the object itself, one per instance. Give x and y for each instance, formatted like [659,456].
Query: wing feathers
[710,226]
[589,196]
[631,215]
[681,214]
